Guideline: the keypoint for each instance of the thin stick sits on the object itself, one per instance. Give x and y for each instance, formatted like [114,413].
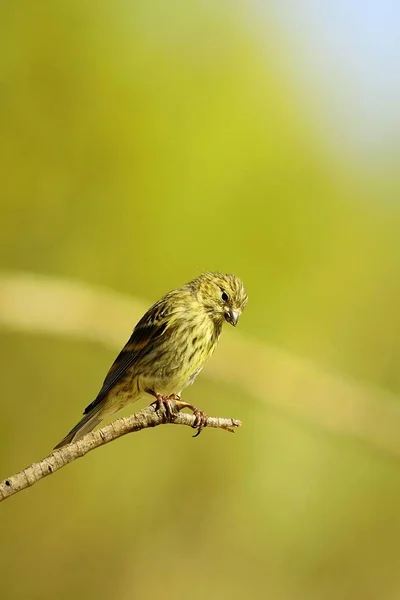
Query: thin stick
[148,417]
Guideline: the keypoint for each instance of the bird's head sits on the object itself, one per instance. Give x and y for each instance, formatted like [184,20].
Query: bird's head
[223,296]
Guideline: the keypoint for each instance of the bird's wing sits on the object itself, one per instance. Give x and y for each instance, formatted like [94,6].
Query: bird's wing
[150,327]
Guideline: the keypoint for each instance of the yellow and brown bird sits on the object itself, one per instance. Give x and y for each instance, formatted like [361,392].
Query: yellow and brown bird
[168,348]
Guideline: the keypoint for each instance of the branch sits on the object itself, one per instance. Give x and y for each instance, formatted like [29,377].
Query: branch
[148,417]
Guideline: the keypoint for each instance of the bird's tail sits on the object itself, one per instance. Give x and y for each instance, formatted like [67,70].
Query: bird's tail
[86,424]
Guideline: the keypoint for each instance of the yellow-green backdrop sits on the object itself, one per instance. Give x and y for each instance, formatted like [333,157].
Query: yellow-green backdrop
[142,143]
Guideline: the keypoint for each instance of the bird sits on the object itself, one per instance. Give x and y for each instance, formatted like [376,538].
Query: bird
[167,349]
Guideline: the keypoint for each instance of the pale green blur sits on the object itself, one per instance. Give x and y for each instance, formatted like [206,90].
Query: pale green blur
[142,143]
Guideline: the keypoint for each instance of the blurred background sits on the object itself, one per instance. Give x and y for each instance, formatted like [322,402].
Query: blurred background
[145,142]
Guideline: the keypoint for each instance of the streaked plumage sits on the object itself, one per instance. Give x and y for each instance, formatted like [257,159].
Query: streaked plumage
[168,347]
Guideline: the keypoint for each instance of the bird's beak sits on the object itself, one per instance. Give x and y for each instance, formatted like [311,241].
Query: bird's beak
[232,317]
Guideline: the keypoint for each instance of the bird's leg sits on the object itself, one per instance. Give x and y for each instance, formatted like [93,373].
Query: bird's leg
[164,401]
[199,415]
[173,401]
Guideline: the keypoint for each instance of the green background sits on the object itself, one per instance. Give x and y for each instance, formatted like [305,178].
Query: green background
[141,144]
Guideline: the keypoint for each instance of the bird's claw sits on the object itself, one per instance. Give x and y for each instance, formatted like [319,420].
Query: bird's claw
[200,420]
[166,402]
[173,404]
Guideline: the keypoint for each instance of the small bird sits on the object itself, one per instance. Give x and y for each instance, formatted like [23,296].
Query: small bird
[167,349]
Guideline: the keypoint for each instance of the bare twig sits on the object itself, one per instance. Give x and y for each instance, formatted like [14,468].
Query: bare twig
[148,417]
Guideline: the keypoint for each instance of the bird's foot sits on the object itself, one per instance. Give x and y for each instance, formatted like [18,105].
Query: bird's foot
[169,405]
[200,417]
[200,420]
[173,404]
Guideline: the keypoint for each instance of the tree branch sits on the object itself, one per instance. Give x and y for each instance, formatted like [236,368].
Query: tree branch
[148,417]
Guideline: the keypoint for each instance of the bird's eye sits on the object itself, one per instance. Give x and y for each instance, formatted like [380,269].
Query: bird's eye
[225,297]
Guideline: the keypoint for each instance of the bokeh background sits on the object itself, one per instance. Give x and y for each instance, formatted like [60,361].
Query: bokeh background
[142,143]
